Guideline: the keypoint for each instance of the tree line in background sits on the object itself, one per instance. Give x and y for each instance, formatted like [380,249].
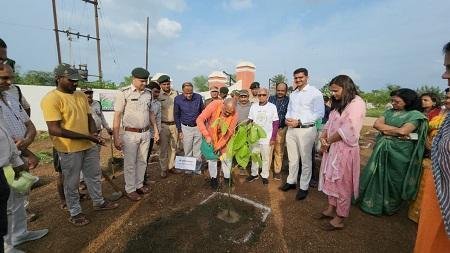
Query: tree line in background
[377,99]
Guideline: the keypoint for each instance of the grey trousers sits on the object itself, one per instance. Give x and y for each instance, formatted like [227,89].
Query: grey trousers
[88,162]
[192,139]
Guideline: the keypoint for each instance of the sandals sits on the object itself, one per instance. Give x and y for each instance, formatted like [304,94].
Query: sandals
[79,220]
[321,216]
[143,190]
[106,206]
[327,226]
[134,196]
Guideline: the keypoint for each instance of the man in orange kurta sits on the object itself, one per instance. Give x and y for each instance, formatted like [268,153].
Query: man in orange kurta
[225,112]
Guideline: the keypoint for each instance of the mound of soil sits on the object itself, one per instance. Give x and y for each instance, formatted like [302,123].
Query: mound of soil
[199,229]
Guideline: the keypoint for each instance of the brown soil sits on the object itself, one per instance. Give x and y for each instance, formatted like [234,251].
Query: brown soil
[165,215]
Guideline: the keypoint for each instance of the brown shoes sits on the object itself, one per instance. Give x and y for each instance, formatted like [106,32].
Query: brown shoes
[134,196]
[174,171]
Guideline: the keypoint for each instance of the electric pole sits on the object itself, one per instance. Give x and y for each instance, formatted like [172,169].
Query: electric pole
[68,32]
[55,21]
[97,33]
[146,48]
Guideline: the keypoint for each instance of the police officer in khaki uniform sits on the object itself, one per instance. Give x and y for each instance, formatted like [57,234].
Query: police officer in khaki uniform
[169,132]
[132,106]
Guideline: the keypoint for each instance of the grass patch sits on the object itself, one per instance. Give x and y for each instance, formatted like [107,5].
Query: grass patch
[45,156]
[42,136]
[375,112]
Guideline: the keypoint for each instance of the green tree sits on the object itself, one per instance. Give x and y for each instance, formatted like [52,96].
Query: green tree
[325,90]
[126,81]
[430,89]
[34,77]
[200,83]
[392,87]
[279,78]
[98,85]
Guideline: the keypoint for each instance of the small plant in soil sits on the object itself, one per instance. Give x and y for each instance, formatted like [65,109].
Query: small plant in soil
[239,150]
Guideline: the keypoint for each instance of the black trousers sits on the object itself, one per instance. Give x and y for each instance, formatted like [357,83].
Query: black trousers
[4,195]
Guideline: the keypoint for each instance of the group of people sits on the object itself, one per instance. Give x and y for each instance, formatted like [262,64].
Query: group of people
[410,160]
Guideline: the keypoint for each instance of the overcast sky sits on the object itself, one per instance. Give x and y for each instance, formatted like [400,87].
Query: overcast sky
[375,42]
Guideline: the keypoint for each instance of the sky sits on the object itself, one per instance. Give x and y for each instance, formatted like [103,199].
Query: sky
[375,42]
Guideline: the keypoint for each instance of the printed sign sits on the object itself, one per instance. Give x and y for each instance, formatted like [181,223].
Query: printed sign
[107,101]
[185,163]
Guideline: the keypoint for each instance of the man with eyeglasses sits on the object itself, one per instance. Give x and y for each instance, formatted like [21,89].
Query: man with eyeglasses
[265,115]
[281,101]
[187,107]
[304,108]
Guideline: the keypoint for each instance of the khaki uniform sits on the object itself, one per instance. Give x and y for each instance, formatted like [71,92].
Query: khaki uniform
[135,108]
[169,133]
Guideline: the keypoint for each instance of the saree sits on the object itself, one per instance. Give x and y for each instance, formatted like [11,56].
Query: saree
[433,234]
[393,170]
[433,126]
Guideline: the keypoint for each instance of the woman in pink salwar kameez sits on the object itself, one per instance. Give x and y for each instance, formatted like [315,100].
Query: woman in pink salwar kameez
[339,171]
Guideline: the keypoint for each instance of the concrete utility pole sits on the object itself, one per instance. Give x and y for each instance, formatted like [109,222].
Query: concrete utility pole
[55,21]
[146,48]
[97,33]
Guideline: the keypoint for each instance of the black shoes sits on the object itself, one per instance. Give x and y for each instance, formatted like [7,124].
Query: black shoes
[214,183]
[251,178]
[265,181]
[286,187]
[301,194]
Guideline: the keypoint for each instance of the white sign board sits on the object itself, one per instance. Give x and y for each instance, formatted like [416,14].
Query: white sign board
[185,163]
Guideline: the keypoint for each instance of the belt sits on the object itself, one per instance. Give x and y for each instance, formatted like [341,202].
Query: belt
[168,122]
[190,125]
[137,130]
[307,125]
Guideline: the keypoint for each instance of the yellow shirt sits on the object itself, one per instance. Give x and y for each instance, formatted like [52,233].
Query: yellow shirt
[72,111]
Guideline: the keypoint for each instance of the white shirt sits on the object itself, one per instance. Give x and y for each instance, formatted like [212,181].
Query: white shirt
[306,105]
[264,116]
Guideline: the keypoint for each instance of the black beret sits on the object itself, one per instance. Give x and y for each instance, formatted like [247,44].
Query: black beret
[223,90]
[140,73]
[152,84]
[163,79]
[254,85]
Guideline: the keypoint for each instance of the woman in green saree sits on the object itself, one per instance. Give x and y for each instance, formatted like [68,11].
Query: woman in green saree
[393,171]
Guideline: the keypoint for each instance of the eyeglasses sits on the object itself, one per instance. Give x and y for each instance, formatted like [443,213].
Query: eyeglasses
[262,95]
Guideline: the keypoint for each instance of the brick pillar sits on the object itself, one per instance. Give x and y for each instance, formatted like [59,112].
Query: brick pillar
[245,71]
[217,79]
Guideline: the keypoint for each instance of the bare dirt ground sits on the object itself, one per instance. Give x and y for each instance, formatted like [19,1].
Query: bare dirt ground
[289,228]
